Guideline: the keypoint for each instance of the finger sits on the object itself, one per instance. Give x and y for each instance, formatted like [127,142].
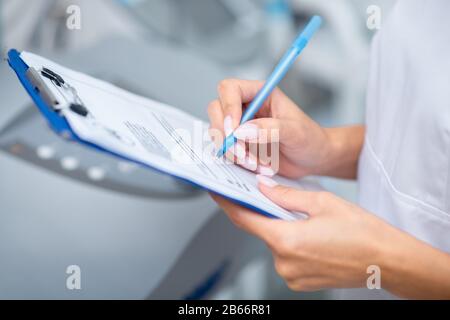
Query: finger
[215,115]
[237,152]
[268,130]
[233,94]
[311,203]
[249,162]
[262,227]
[269,165]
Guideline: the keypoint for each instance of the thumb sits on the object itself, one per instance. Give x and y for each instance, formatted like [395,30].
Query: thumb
[292,199]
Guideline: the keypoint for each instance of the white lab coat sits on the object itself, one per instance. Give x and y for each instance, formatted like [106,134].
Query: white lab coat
[404,170]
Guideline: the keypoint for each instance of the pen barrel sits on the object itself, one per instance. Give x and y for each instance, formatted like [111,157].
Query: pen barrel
[277,75]
[272,82]
[282,68]
[310,29]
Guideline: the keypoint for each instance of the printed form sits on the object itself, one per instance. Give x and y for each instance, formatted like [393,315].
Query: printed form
[156,135]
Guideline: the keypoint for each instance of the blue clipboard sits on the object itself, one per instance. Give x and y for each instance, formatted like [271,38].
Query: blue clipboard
[61,127]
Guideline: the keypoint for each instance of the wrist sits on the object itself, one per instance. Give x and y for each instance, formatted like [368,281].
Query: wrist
[331,148]
[390,256]
[341,152]
[411,268]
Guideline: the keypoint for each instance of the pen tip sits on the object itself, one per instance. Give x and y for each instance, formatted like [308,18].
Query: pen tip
[229,142]
[219,154]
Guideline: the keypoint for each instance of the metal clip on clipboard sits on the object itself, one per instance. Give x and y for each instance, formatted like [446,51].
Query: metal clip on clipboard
[71,97]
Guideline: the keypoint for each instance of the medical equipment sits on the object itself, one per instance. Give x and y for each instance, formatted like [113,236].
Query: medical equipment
[228,31]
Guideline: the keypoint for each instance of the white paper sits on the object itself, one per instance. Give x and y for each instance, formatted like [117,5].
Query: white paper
[158,135]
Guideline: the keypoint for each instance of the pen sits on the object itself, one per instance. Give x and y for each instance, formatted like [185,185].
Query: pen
[275,78]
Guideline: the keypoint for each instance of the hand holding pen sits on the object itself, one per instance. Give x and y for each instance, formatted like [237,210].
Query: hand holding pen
[276,77]
[303,143]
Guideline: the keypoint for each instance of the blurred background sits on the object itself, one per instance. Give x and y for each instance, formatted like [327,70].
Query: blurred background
[136,234]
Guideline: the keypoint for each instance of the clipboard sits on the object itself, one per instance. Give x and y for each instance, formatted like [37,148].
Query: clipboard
[61,127]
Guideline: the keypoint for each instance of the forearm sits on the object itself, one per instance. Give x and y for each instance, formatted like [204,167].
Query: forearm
[414,270]
[342,156]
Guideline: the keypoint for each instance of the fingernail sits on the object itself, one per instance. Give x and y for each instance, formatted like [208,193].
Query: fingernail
[247,131]
[268,182]
[239,151]
[228,125]
[249,164]
[266,171]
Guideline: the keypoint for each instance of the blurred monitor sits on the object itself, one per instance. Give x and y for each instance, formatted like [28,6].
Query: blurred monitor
[226,30]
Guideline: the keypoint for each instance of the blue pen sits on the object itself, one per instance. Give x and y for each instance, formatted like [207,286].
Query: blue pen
[275,78]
